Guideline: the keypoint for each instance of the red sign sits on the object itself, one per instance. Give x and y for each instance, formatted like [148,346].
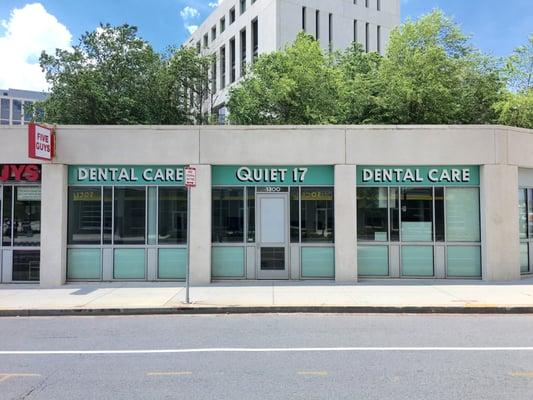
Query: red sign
[20,172]
[41,142]
[190,177]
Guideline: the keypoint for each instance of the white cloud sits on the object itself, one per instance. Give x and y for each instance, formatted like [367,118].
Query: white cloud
[189,13]
[191,28]
[214,4]
[29,31]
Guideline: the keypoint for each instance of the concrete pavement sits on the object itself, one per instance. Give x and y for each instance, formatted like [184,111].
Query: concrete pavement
[365,296]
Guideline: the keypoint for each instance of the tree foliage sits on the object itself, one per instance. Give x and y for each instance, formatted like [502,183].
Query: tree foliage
[114,77]
[430,74]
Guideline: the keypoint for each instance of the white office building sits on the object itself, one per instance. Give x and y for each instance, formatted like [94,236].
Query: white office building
[14,105]
[239,30]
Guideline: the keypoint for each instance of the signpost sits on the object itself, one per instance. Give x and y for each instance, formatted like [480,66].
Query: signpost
[190,182]
[41,142]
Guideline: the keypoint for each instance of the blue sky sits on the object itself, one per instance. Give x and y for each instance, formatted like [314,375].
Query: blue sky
[497,27]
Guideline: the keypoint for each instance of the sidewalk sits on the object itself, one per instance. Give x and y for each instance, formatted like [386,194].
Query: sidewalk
[423,296]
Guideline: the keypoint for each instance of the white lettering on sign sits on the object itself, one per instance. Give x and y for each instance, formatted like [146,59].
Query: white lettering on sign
[415,175]
[96,174]
[270,175]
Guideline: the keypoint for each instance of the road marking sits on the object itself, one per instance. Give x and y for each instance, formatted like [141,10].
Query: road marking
[264,350]
[177,373]
[5,377]
[313,373]
[522,374]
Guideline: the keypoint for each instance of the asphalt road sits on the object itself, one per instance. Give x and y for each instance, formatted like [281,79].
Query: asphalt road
[267,357]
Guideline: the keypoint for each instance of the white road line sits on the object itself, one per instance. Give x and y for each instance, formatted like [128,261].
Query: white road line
[265,350]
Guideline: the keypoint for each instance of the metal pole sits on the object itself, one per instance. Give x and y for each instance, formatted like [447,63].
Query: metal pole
[188,270]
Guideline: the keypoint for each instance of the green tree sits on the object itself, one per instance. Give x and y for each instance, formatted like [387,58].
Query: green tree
[516,109]
[519,68]
[114,77]
[299,85]
[431,75]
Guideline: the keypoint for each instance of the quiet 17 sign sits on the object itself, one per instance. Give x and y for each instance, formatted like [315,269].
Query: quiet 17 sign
[41,142]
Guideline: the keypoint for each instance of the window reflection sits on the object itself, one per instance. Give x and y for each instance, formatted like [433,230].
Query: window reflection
[27,216]
[372,217]
[417,214]
[228,215]
[172,216]
[317,214]
[130,216]
[84,215]
[7,222]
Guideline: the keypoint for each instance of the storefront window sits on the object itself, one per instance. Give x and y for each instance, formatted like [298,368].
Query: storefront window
[27,216]
[7,223]
[130,216]
[250,195]
[440,230]
[417,214]
[172,216]
[372,223]
[317,215]
[522,213]
[394,205]
[462,214]
[107,221]
[228,215]
[26,265]
[295,214]
[84,215]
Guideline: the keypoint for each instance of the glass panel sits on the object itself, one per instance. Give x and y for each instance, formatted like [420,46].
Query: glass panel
[152,215]
[250,193]
[130,216]
[27,114]
[372,219]
[439,215]
[6,216]
[172,263]
[417,214]
[394,207]
[227,262]
[84,215]
[4,110]
[317,215]
[530,212]
[172,215]
[318,262]
[464,261]
[27,220]
[84,263]
[272,258]
[272,220]
[228,215]
[524,257]
[26,265]
[129,264]
[17,112]
[417,261]
[462,214]
[522,212]
[108,215]
[295,215]
[373,260]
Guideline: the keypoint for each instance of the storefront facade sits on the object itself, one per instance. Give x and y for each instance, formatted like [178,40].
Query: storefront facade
[271,203]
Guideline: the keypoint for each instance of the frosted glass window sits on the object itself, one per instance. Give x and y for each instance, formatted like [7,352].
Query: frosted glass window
[417,261]
[464,261]
[524,257]
[462,214]
[373,261]
[129,264]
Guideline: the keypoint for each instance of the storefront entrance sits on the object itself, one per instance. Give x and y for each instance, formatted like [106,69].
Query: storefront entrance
[273,235]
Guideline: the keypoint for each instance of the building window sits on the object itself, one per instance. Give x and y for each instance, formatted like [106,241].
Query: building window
[355,31]
[242,6]
[17,112]
[372,216]
[317,24]
[223,67]
[243,52]
[172,218]
[525,224]
[206,40]
[214,77]
[304,11]
[367,37]
[213,33]
[129,216]
[232,15]
[198,47]
[378,5]
[5,111]
[330,32]
[255,39]
[367,3]
[232,58]
[228,215]
[378,34]
[222,24]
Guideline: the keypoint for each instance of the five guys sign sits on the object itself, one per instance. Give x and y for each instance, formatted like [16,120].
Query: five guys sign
[20,172]
[41,142]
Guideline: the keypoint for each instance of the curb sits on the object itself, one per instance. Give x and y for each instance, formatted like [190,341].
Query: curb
[269,310]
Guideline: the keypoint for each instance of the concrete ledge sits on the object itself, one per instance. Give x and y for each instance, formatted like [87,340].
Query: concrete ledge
[192,310]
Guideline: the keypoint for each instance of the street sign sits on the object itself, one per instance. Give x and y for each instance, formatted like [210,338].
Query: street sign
[190,177]
[41,142]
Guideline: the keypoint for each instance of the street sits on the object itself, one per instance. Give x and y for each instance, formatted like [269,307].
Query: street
[296,356]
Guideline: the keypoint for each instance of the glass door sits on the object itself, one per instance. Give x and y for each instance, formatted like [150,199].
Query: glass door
[273,234]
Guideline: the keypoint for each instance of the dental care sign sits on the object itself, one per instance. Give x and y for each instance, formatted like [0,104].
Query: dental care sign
[417,176]
[122,175]
[41,142]
[272,175]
